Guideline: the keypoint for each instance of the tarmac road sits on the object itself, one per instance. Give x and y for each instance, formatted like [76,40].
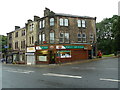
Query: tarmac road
[96,74]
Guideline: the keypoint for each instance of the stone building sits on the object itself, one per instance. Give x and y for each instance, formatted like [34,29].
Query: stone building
[17,45]
[58,37]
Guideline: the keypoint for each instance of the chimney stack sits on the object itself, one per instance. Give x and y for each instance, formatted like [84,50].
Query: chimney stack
[36,18]
[17,27]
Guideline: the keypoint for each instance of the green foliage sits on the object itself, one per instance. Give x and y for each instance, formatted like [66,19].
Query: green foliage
[3,42]
[106,37]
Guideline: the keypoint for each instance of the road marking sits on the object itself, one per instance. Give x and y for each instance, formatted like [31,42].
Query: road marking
[92,68]
[20,71]
[110,80]
[61,75]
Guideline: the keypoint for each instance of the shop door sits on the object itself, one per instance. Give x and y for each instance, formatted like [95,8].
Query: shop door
[89,54]
[52,57]
[30,60]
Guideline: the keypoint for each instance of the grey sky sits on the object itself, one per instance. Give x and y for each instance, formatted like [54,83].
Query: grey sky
[17,12]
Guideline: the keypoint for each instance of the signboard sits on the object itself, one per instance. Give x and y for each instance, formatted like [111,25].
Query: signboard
[29,54]
[41,47]
[69,47]
[30,49]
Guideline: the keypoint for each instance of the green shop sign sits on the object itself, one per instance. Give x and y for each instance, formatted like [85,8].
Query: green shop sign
[73,47]
[41,47]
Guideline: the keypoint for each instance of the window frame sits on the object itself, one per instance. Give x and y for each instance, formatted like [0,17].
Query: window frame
[79,37]
[84,39]
[52,21]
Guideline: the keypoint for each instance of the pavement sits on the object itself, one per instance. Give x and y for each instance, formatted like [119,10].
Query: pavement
[67,63]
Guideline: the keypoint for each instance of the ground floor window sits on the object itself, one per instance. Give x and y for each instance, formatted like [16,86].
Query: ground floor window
[42,58]
[42,55]
[64,54]
[22,57]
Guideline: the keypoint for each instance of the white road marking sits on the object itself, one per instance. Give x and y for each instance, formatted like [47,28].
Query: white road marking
[19,71]
[61,75]
[110,80]
[92,68]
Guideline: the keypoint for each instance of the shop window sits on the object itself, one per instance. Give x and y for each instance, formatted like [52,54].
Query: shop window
[52,37]
[64,54]
[51,21]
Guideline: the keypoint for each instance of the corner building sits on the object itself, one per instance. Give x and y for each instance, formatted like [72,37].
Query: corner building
[63,38]
[56,38]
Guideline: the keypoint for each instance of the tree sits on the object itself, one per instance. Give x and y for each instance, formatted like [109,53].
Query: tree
[116,30]
[3,43]
[105,35]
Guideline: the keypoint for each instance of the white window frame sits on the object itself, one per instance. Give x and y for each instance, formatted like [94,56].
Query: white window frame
[79,37]
[52,37]
[43,23]
[51,21]
[40,24]
[66,37]
[61,37]
[79,23]
[43,36]
[83,23]
[66,22]
[84,38]
[40,37]
[61,22]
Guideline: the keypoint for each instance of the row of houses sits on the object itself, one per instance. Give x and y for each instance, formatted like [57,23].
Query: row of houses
[53,38]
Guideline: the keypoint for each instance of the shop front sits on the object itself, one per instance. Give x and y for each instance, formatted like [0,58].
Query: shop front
[51,54]
[30,56]
[42,54]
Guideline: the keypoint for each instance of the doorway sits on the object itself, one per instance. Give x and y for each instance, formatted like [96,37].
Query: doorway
[52,57]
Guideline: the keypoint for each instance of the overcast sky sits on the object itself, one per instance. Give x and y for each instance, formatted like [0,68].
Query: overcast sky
[17,12]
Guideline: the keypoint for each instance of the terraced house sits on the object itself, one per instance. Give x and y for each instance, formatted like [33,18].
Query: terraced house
[58,37]
[17,45]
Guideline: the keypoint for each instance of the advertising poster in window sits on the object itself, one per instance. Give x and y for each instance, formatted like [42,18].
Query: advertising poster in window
[42,58]
[64,54]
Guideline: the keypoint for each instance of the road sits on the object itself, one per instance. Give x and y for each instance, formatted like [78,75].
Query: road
[96,74]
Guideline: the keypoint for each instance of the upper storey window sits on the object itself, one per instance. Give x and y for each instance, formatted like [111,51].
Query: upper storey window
[51,21]
[42,24]
[81,23]
[31,27]
[16,34]
[63,22]
[23,32]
